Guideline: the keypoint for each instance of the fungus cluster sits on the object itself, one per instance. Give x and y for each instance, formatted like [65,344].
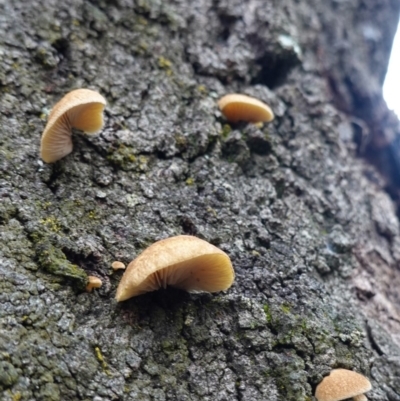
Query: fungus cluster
[184,262]
[81,109]
[236,107]
[342,384]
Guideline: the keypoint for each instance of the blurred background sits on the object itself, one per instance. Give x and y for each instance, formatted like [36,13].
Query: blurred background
[391,87]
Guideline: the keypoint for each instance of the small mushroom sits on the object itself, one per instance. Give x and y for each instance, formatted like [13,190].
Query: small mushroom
[93,282]
[81,109]
[117,265]
[184,262]
[342,384]
[236,107]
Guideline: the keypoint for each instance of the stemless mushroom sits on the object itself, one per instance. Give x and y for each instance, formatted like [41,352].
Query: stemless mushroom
[236,107]
[342,384]
[117,265]
[81,109]
[93,282]
[184,262]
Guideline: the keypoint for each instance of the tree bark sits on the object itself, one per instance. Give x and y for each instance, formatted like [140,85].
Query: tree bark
[312,234]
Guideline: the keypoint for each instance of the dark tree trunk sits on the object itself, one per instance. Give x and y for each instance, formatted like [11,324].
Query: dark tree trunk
[312,234]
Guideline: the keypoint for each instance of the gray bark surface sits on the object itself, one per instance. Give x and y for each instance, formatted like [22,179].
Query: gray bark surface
[314,239]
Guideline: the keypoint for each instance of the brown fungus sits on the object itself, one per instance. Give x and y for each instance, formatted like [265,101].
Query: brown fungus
[117,265]
[236,107]
[342,384]
[184,262]
[81,109]
[93,282]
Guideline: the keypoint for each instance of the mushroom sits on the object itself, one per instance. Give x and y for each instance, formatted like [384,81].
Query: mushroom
[93,282]
[236,107]
[184,262]
[81,109]
[117,265]
[360,397]
[342,384]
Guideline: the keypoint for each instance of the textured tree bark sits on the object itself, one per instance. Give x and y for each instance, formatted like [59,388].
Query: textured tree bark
[313,237]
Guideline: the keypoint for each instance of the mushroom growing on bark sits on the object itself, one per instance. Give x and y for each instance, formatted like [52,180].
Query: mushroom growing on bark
[93,282]
[342,384]
[184,262]
[236,107]
[81,109]
[117,265]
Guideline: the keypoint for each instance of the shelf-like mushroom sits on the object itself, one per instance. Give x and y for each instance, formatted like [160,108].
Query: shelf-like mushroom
[342,384]
[81,109]
[93,282]
[184,262]
[236,107]
[117,265]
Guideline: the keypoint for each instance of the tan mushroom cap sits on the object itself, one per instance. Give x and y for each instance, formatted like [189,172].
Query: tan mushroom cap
[342,384]
[93,282]
[117,265]
[236,107]
[81,109]
[184,262]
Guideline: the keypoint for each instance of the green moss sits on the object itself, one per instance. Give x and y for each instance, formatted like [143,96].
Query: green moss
[7,211]
[181,142]
[202,89]
[226,130]
[55,262]
[51,223]
[142,48]
[17,396]
[92,215]
[267,312]
[142,21]
[100,358]
[165,64]
[212,211]
[285,379]
[167,345]
[125,158]
[285,308]
[46,205]
[190,181]
[8,374]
